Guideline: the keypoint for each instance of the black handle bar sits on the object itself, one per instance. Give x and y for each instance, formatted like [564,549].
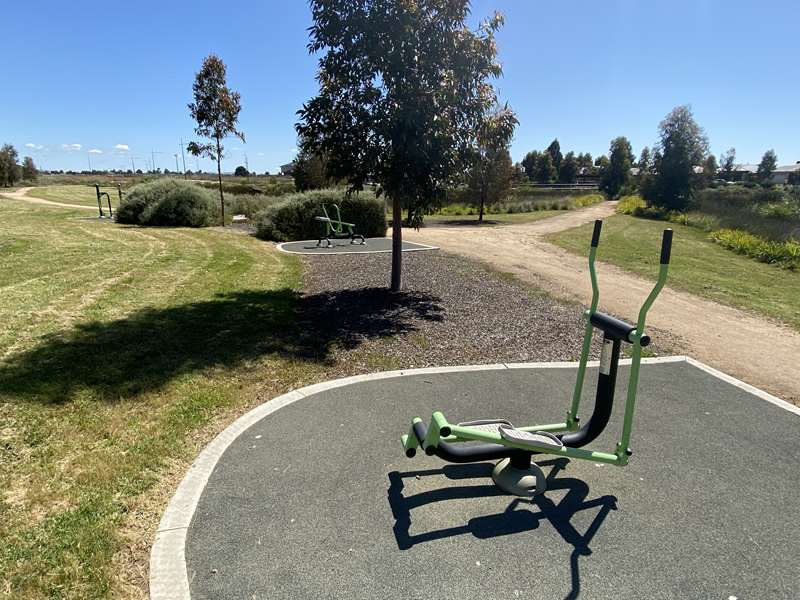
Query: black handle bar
[598,225]
[666,246]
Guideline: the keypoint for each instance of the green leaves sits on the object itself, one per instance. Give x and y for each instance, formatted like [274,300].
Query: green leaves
[215,108]
[403,94]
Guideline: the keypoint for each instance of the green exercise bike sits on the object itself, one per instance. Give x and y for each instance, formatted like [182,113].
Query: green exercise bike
[515,447]
[337,229]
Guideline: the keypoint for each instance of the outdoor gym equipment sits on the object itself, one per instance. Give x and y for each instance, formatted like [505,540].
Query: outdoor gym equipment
[108,198]
[516,473]
[337,229]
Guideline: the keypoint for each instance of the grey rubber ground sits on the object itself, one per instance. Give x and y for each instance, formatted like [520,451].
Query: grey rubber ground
[372,245]
[317,500]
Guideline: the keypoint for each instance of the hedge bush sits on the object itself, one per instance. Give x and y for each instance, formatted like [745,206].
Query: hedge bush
[168,202]
[248,204]
[784,254]
[266,187]
[293,217]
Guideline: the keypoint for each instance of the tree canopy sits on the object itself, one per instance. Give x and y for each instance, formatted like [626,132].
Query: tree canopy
[310,170]
[545,169]
[529,163]
[9,170]
[29,170]
[568,172]
[682,145]
[554,150]
[491,169]
[616,175]
[769,162]
[727,163]
[403,94]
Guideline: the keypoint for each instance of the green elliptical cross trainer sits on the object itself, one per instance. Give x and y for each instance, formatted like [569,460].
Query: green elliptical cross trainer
[516,473]
[338,229]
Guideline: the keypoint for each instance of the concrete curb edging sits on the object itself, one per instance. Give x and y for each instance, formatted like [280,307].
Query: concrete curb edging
[168,573]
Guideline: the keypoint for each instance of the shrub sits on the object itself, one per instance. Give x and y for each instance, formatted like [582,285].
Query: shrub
[628,204]
[768,213]
[293,217]
[168,202]
[248,204]
[784,254]
[267,187]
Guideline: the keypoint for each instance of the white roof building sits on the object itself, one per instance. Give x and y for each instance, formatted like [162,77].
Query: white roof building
[781,175]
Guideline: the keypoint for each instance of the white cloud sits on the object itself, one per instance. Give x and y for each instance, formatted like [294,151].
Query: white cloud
[123,147]
[71,146]
[293,150]
[261,154]
[95,151]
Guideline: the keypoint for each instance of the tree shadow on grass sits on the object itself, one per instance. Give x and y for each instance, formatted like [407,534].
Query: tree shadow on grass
[153,346]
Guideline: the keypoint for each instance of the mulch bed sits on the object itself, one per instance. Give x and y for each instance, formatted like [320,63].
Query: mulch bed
[451,312]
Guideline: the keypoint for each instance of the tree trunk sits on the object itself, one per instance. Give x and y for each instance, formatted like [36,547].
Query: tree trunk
[483,203]
[397,244]
[483,196]
[219,177]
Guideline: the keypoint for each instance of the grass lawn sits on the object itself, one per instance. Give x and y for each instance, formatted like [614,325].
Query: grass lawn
[494,219]
[84,195]
[118,345]
[698,266]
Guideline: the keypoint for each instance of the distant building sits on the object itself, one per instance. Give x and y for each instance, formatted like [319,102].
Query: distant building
[744,172]
[786,174]
[287,169]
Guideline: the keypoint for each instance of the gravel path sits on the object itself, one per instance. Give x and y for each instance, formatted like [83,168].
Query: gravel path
[453,311]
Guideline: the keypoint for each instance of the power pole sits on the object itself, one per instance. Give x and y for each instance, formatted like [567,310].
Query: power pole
[133,166]
[177,168]
[153,156]
[89,158]
[183,157]
[246,164]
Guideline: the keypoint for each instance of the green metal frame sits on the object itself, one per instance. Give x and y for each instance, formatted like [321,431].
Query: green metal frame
[441,430]
[335,227]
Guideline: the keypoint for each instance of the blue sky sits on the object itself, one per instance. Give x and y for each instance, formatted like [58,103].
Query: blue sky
[85,76]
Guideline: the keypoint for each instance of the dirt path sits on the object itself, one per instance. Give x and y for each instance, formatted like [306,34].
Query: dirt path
[751,348]
[22,194]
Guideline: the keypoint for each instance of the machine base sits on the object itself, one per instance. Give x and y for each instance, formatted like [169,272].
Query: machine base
[519,482]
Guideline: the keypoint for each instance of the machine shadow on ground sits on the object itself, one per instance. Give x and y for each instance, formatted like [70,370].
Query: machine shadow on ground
[152,346]
[513,520]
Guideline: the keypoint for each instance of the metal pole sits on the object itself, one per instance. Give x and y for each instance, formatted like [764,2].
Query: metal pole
[177,168]
[153,156]
[183,156]
[89,158]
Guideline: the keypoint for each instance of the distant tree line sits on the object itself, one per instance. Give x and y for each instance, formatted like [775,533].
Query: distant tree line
[550,166]
[11,172]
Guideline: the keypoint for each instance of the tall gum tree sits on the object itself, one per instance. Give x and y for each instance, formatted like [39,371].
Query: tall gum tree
[403,92]
[216,111]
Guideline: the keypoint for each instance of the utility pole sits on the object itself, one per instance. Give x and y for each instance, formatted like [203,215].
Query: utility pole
[177,168]
[89,158]
[133,166]
[246,164]
[183,157]
[153,156]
